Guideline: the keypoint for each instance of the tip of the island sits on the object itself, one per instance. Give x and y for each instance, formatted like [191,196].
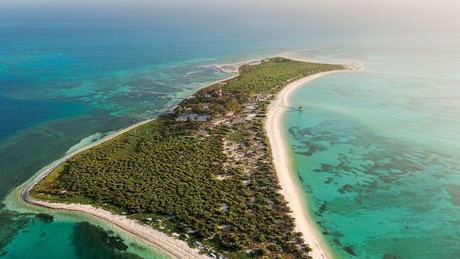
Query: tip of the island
[209,177]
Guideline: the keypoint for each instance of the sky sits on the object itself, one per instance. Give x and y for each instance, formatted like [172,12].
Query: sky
[390,13]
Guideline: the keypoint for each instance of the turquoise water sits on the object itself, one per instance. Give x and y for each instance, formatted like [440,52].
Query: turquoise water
[377,153]
[69,76]
[66,235]
[377,150]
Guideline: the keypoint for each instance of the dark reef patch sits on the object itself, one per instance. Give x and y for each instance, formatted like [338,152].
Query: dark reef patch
[454,193]
[47,218]
[94,242]
[329,180]
[11,222]
[350,250]
[346,188]
[322,209]
[326,168]
[300,178]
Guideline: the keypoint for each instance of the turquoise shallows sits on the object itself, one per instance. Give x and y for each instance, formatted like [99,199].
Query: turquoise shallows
[376,151]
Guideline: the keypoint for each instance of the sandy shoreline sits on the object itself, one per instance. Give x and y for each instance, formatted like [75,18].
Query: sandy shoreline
[175,247]
[281,159]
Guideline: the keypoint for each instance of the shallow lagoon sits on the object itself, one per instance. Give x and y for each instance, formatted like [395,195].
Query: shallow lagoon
[377,146]
[377,153]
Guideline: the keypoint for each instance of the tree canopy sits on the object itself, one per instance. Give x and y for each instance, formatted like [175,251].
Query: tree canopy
[213,180]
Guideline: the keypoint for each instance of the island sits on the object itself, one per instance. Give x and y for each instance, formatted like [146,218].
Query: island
[202,174]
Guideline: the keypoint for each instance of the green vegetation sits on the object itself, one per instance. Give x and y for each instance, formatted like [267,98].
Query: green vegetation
[212,181]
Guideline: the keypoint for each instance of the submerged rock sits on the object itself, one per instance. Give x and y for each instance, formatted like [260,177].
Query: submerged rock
[47,218]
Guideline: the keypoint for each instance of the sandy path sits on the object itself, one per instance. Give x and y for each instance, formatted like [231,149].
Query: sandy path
[177,248]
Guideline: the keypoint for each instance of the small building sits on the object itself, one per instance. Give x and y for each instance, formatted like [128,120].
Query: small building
[204,118]
[193,117]
[187,117]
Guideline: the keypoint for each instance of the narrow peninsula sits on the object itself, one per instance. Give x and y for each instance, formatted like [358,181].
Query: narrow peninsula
[202,173]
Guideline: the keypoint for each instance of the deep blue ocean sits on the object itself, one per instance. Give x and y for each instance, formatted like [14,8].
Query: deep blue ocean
[376,151]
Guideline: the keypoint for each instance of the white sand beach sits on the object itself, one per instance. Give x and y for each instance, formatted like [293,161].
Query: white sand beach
[174,248]
[177,248]
[290,188]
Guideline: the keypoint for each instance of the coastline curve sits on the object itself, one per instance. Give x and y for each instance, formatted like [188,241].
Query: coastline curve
[178,248]
[290,189]
[174,248]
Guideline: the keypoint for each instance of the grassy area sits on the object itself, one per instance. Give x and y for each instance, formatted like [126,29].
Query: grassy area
[211,182]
